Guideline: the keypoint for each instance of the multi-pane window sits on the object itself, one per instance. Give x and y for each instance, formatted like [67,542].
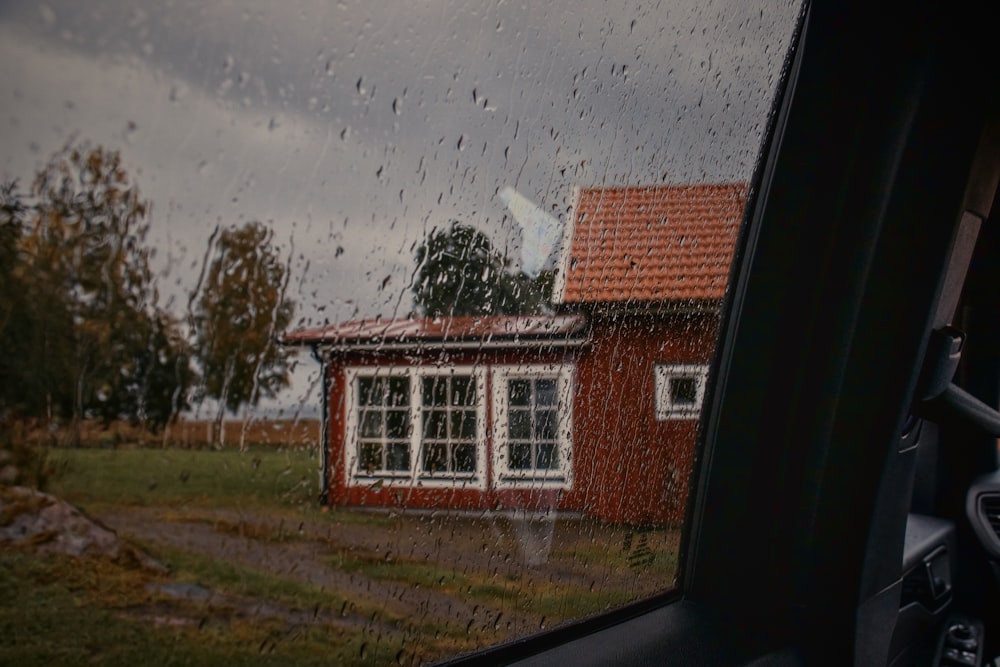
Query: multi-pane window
[679,390]
[532,418]
[383,424]
[532,423]
[416,424]
[450,433]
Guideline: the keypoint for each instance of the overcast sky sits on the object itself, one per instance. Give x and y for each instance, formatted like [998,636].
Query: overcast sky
[353,128]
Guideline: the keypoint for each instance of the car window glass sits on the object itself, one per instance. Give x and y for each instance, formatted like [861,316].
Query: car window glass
[365,332]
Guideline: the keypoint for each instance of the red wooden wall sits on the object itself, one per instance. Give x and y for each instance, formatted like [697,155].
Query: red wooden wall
[627,467]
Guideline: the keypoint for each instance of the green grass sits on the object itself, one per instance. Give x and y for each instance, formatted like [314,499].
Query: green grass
[64,611]
[554,601]
[599,558]
[45,598]
[226,577]
[152,477]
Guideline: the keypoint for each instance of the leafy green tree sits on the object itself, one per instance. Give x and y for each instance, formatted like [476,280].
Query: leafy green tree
[13,212]
[80,299]
[155,388]
[88,242]
[532,295]
[461,273]
[237,316]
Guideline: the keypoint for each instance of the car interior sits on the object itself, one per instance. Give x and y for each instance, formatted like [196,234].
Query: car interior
[846,502]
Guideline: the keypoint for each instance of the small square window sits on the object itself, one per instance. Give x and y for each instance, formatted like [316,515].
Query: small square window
[683,391]
[680,390]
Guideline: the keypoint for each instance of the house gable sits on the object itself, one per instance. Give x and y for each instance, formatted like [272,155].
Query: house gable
[547,411]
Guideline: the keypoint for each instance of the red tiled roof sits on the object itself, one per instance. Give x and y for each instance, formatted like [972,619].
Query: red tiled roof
[511,329]
[656,243]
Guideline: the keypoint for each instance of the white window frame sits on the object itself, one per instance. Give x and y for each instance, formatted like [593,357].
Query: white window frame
[560,477]
[663,374]
[414,477]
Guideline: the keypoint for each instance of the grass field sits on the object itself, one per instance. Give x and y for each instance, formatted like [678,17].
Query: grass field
[258,573]
[265,477]
[60,611]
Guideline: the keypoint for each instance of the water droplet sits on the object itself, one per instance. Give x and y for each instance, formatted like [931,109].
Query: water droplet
[177,92]
[48,16]
[131,129]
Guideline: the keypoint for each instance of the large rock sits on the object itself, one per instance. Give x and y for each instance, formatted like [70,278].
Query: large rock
[30,518]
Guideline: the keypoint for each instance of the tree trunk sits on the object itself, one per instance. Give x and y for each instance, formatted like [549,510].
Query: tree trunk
[218,433]
[243,431]
[78,409]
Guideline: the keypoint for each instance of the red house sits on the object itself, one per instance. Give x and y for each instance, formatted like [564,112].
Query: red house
[592,410]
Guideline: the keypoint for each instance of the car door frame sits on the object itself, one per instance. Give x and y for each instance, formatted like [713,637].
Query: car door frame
[793,545]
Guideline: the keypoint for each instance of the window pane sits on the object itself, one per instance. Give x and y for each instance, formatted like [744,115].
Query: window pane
[463,390]
[465,458]
[397,424]
[370,457]
[398,391]
[683,391]
[436,390]
[520,457]
[519,392]
[454,425]
[467,426]
[435,424]
[547,456]
[545,392]
[371,424]
[397,456]
[520,424]
[545,425]
[435,458]
[427,390]
[366,391]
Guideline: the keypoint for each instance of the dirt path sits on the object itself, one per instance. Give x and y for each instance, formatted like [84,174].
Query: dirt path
[309,560]
[491,549]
